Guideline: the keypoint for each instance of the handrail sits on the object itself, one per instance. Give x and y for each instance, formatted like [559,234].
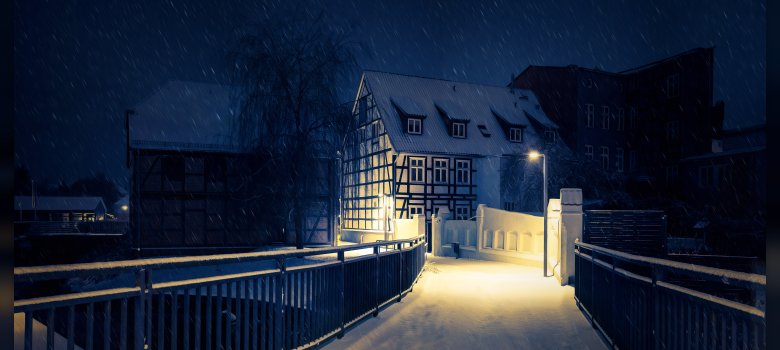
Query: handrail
[644,310]
[38,273]
[706,272]
[270,306]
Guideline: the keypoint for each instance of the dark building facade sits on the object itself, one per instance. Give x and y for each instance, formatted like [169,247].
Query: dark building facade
[731,178]
[639,122]
[191,184]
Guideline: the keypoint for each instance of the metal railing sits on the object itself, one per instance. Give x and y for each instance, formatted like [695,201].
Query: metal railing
[277,308]
[640,302]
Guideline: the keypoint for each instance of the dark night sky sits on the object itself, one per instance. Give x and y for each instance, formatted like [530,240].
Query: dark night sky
[79,66]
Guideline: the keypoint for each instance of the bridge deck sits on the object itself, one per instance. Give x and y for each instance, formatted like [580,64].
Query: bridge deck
[469,304]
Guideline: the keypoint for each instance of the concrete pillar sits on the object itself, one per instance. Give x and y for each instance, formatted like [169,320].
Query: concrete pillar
[480,225]
[436,226]
[571,229]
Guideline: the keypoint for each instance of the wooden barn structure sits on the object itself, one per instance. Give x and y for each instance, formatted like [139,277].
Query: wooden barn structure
[189,177]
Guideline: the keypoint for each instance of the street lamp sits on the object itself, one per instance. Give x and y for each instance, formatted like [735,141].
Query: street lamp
[533,155]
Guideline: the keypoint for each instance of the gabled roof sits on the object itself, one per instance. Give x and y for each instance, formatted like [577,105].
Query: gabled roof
[471,102]
[58,203]
[665,59]
[186,116]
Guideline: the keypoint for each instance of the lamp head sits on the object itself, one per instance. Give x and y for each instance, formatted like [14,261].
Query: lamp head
[534,155]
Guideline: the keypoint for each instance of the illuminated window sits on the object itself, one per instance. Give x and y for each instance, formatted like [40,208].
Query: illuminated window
[589,152]
[590,115]
[459,130]
[440,170]
[463,171]
[417,170]
[516,134]
[605,117]
[414,126]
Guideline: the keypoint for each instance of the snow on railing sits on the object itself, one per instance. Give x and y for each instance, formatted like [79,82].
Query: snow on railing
[641,302]
[268,308]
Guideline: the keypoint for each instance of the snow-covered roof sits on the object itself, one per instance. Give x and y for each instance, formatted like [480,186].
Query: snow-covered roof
[187,116]
[58,203]
[472,102]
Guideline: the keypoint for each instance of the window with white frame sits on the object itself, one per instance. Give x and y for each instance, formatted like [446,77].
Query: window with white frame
[459,130]
[463,171]
[414,126]
[417,169]
[673,85]
[440,171]
[462,212]
[516,134]
[633,121]
[619,159]
[416,210]
[621,119]
[605,157]
[590,115]
[672,130]
[589,152]
[605,117]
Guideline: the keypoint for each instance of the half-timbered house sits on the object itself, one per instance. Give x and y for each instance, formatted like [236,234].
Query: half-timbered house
[423,144]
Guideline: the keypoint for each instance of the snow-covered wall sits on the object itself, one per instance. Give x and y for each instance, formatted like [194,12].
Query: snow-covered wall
[495,235]
[409,228]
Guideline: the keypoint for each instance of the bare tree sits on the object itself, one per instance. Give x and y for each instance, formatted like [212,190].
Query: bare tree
[290,112]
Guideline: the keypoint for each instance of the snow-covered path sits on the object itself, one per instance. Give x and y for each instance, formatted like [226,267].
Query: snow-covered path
[470,304]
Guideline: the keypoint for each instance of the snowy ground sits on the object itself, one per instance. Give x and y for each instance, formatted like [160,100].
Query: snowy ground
[469,304]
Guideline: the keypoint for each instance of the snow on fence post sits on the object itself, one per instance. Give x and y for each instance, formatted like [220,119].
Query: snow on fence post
[570,230]
[341,294]
[278,305]
[436,228]
[138,321]
[480,226]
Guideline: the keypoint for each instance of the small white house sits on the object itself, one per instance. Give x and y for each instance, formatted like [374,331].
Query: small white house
[422,144]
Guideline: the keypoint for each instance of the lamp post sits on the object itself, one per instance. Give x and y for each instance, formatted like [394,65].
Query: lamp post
[535,155]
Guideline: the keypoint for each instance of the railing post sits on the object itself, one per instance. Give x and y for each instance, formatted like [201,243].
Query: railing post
[138,315]
[376,282]
[657,275]
[279,327]
[400,271]
[341,295]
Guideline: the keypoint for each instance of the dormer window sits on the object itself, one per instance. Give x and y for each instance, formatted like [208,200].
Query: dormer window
[516,134]
[459,130]
[414,126]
